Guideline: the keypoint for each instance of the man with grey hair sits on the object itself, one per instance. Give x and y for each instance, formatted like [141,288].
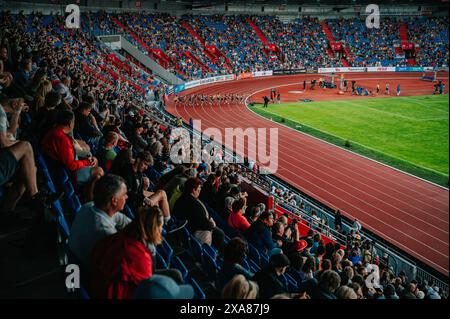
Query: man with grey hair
[100,218]
[329,282]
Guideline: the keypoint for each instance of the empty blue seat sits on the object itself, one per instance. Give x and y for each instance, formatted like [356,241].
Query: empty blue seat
[197,249]
[254,268]
[264,259]
[254,254]
[178,264]
[245,264]
[128,212]
[210,250]
[159,261]
[210,267]
[198,291]
[186,238]
[166,251]
[292,283]
[71,198]
[84,294]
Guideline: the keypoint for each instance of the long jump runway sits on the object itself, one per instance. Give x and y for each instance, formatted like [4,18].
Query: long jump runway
[406,211]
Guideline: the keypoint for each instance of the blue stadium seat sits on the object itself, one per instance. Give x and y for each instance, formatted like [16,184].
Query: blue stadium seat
[292,283]
[197,249]
[153,174]
[254,268]
[84,294]
[71,198]
[245,264]
[160,262]
[166,251]
[186,238]
[210,250]
[62,225]
[254,254]
[210,267]
[178,264]
[128,212]
[264,258]
[198,291]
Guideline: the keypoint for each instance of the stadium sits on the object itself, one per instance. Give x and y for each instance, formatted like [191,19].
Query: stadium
[217,149]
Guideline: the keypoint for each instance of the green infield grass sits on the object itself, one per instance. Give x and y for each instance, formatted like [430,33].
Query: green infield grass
[409,133]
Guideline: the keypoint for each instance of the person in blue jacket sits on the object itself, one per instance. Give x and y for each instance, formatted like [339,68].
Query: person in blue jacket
[259,234]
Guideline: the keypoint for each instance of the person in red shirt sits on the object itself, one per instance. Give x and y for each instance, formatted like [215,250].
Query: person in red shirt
[57,145]
[124,259]
[236,219]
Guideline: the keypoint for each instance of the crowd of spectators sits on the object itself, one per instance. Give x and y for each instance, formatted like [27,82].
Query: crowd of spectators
[431,36]
[165,32]
[368,46]
[302,41]
[116,148]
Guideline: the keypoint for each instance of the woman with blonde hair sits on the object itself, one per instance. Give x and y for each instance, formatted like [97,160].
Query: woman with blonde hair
[345,292]
[39,100]
[125,259]
[240,288]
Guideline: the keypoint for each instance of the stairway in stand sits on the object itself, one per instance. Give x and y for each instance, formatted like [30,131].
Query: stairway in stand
[159,55]
[332,43]
[268,47]
[212,52]
[403,35]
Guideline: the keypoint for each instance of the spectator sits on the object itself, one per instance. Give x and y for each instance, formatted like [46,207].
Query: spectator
[234,254]
[99,219]
[17,162]
[240,288]
[410,291]
[259,233]
[345,292]
[107,154]
[236,219]
[190,208]
[47,115]
[85,124]
[123,260]
[209,191]
[137,184]
[329,282]
[389,292]
[338,220]
[58,146]
[253,214]
[139,143]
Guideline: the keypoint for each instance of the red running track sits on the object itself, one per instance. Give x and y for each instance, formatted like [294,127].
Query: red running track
[406,211]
